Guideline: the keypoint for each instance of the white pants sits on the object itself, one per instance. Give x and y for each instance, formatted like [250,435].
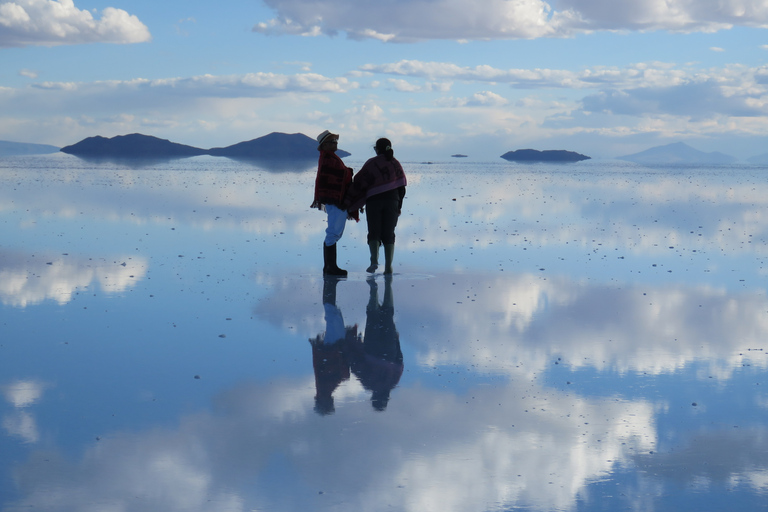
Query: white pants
[334,324]
[337,219]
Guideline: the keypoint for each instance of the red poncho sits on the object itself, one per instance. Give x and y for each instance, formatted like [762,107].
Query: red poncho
[332,181]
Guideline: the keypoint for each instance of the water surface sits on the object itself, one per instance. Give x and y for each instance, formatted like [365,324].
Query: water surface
[581,337]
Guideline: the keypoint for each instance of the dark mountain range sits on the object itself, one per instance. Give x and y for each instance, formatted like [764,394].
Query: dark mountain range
[677,153]
[134,145]
[551,155]
[272,147]
[8,148]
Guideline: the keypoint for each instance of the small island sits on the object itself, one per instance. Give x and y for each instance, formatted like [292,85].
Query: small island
[458,156]
[552,155]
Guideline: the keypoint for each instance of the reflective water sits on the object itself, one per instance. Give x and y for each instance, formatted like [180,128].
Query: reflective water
[555,338]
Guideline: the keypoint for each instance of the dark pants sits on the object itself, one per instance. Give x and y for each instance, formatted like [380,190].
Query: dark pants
[381,212]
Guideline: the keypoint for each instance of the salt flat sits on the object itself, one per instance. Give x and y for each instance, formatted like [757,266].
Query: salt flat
[586,337]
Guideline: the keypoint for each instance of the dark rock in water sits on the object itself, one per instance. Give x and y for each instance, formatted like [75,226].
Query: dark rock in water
[551,155]
[677,153]
[458,156]
[8,148]
[294,146]
[134,145]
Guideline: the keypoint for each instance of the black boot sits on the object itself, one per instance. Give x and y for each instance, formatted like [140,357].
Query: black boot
[329,290]
[329,258]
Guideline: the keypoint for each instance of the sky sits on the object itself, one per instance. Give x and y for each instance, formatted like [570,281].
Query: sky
[605,78]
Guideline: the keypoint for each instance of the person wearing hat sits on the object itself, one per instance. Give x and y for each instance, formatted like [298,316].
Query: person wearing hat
[331,184]
[380,187]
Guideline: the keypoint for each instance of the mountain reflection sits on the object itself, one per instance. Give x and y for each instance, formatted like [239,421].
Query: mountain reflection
[375,359]
[278,165]
[130,162]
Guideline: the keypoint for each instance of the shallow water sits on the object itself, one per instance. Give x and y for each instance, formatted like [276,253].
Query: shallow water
[581,337]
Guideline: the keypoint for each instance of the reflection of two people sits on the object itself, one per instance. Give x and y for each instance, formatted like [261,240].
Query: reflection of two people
[375,358]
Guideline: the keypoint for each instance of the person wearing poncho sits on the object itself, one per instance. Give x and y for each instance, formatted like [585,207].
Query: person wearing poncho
[331,184]
[379,186]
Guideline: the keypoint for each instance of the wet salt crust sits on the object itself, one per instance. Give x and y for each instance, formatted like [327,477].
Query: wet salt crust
[583,337]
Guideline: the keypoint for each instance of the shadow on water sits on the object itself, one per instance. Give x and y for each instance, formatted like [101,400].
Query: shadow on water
[375,358]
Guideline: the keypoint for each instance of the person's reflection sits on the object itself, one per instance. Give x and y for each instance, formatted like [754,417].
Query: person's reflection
[377,360]
[329,357]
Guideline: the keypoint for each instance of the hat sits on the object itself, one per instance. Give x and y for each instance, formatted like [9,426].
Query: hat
[321,138]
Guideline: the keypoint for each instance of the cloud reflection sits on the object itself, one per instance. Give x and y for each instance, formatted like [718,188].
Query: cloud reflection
[522,324]
[22,394]
[509,447]
[27,280]
[495,208]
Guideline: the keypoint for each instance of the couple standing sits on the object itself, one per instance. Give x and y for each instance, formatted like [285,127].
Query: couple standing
[379,186]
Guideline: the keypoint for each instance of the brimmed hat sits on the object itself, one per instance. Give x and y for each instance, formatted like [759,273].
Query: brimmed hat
[321,138]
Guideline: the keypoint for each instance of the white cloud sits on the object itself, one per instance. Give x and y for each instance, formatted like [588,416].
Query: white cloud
[486,99]
[144,91]
[641,89]
[59,22]
[695,99]
[479,99]
[392,20]
[28,73]
[211,110]
[673,15]
[642,74]
[417,20]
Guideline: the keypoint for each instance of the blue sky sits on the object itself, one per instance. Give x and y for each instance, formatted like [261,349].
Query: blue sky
[477,77]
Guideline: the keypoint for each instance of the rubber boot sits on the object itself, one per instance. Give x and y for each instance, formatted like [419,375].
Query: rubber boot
[329,260]
[329,290]
[389,253]
[374,247]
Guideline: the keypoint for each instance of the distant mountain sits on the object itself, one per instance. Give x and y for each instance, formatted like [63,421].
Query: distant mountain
[678,153]
[134,145]
[8,148]
[550,155]
[759,159]
[269,148]
[294,146]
